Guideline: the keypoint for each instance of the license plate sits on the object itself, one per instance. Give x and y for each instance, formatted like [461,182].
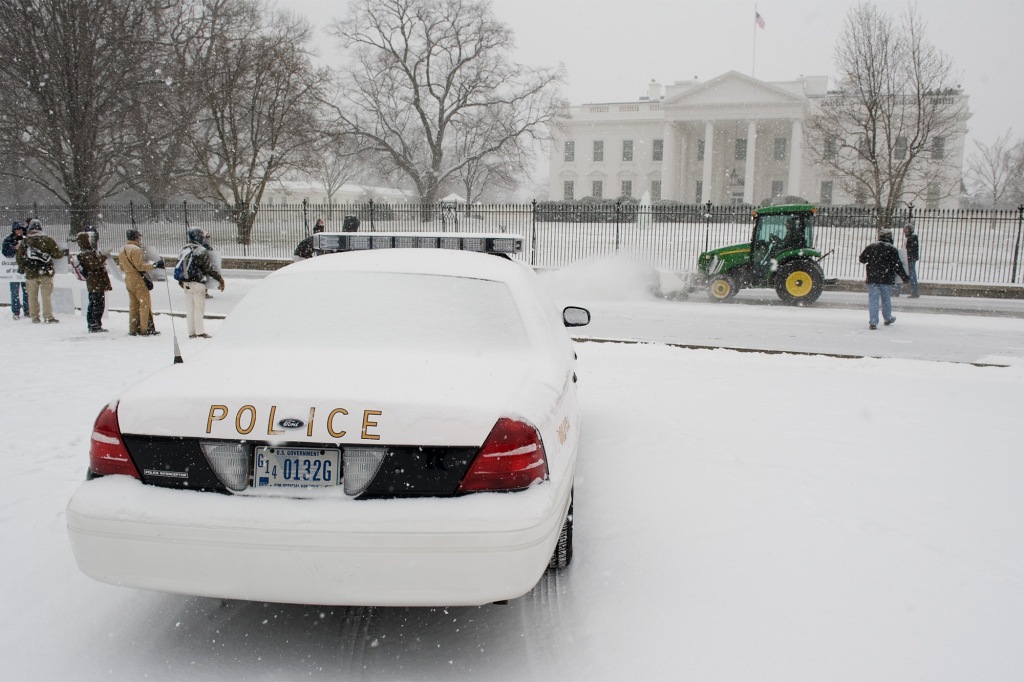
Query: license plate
[297,467]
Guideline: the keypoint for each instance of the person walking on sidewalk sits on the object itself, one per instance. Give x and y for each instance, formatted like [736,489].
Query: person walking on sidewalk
[19,289]
[913,254]
[194,267]
[93,264]
[883,264]
[35,260]
[132,261]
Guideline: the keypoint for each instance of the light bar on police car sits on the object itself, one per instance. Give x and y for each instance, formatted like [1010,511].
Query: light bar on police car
[339,242]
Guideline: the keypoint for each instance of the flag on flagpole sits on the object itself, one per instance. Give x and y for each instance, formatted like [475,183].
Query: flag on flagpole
[758,19]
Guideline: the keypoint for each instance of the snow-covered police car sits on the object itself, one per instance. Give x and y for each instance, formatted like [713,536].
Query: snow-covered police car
[393,425]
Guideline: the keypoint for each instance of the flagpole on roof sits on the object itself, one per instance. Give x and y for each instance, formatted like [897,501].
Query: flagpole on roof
[753,56]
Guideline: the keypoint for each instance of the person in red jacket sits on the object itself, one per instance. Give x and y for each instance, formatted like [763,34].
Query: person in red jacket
[883,264]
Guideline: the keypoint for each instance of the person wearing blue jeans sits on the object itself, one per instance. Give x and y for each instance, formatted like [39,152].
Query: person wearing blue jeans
[19,304]
[913,254]
[883,264]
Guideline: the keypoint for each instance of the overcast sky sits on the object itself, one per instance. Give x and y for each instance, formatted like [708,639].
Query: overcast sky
[613,48]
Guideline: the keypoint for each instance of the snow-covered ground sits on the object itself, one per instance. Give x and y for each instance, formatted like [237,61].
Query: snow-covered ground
[738,515]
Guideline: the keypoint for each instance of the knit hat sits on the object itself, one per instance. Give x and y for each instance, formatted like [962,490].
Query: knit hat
[133,235]
[885,235]
[35,227]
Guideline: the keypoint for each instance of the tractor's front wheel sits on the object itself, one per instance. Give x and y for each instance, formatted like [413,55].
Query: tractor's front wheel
[799,282]
[722,288]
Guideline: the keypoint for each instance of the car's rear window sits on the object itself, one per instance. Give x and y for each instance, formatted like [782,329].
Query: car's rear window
[378,310]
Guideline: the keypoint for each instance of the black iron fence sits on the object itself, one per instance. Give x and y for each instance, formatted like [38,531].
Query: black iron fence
[957,246]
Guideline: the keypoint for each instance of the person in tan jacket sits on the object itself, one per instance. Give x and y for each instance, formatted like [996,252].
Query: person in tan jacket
[132,261]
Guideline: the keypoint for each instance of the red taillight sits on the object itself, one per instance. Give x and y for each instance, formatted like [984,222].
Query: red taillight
[107,453]
[512,458]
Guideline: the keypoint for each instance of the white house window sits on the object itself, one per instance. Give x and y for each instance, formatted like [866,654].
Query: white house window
[569,190]
[700,191]
[658,150]
[627,150]
[570,150]
[627,188]
[780,148]
[655,190]
[598,150]
[826,193]
[597,189]
[776,188]
[831,148]
[939,148]
[741,148]
[899,152]
[700,151]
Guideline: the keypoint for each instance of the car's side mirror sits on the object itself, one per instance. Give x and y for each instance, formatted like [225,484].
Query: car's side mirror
[573,316]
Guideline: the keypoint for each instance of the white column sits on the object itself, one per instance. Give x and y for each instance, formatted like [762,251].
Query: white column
[670,164]
[709,139]
[796,158]
[748,176]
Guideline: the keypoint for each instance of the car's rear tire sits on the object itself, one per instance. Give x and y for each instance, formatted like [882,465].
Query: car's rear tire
[562,555]
[722,288]
[799,282]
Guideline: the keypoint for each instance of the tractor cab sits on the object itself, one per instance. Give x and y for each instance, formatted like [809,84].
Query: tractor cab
[776,235]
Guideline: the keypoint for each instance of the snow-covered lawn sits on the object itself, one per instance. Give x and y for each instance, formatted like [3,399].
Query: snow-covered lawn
[738,516]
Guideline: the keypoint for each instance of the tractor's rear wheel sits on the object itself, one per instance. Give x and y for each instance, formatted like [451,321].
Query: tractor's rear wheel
[799,282]
[722,288]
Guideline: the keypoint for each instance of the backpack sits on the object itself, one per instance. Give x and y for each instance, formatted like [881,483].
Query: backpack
[38,260]
[187,269]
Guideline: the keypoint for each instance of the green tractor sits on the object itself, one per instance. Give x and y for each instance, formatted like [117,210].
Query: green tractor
[780,254]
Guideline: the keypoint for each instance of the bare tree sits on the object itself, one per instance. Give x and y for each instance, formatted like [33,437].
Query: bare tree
[422,71]
[885,132]
[498,170]
[994,171]
[67,68]
[162,117]
[259,97]
[335,164]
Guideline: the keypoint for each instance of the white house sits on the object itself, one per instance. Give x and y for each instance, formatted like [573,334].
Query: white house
[733,139]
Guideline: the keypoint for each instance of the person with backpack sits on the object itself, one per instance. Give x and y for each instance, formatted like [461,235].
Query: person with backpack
[19,291]
[35,260]
[194,267]
[93,265]
[132,261]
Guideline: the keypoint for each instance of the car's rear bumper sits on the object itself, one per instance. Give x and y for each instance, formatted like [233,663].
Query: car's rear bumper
[424,552]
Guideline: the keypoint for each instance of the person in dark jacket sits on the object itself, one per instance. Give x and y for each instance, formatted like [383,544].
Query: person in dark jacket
[883,264]
[93,264]
[305,248]
[35,256]
[913,255]
[197,268]
[19,290]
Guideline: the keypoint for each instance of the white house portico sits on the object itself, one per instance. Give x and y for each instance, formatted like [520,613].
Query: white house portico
[733,139]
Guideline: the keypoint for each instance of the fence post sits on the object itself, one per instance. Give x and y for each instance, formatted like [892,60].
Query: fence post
[184,206]
[1016,246]
[131,212]
[533,233]
[372,227]
[618,208]
[305,217]
[707,225]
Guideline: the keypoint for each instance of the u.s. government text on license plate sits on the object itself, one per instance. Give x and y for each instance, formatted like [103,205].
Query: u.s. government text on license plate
[297,467]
